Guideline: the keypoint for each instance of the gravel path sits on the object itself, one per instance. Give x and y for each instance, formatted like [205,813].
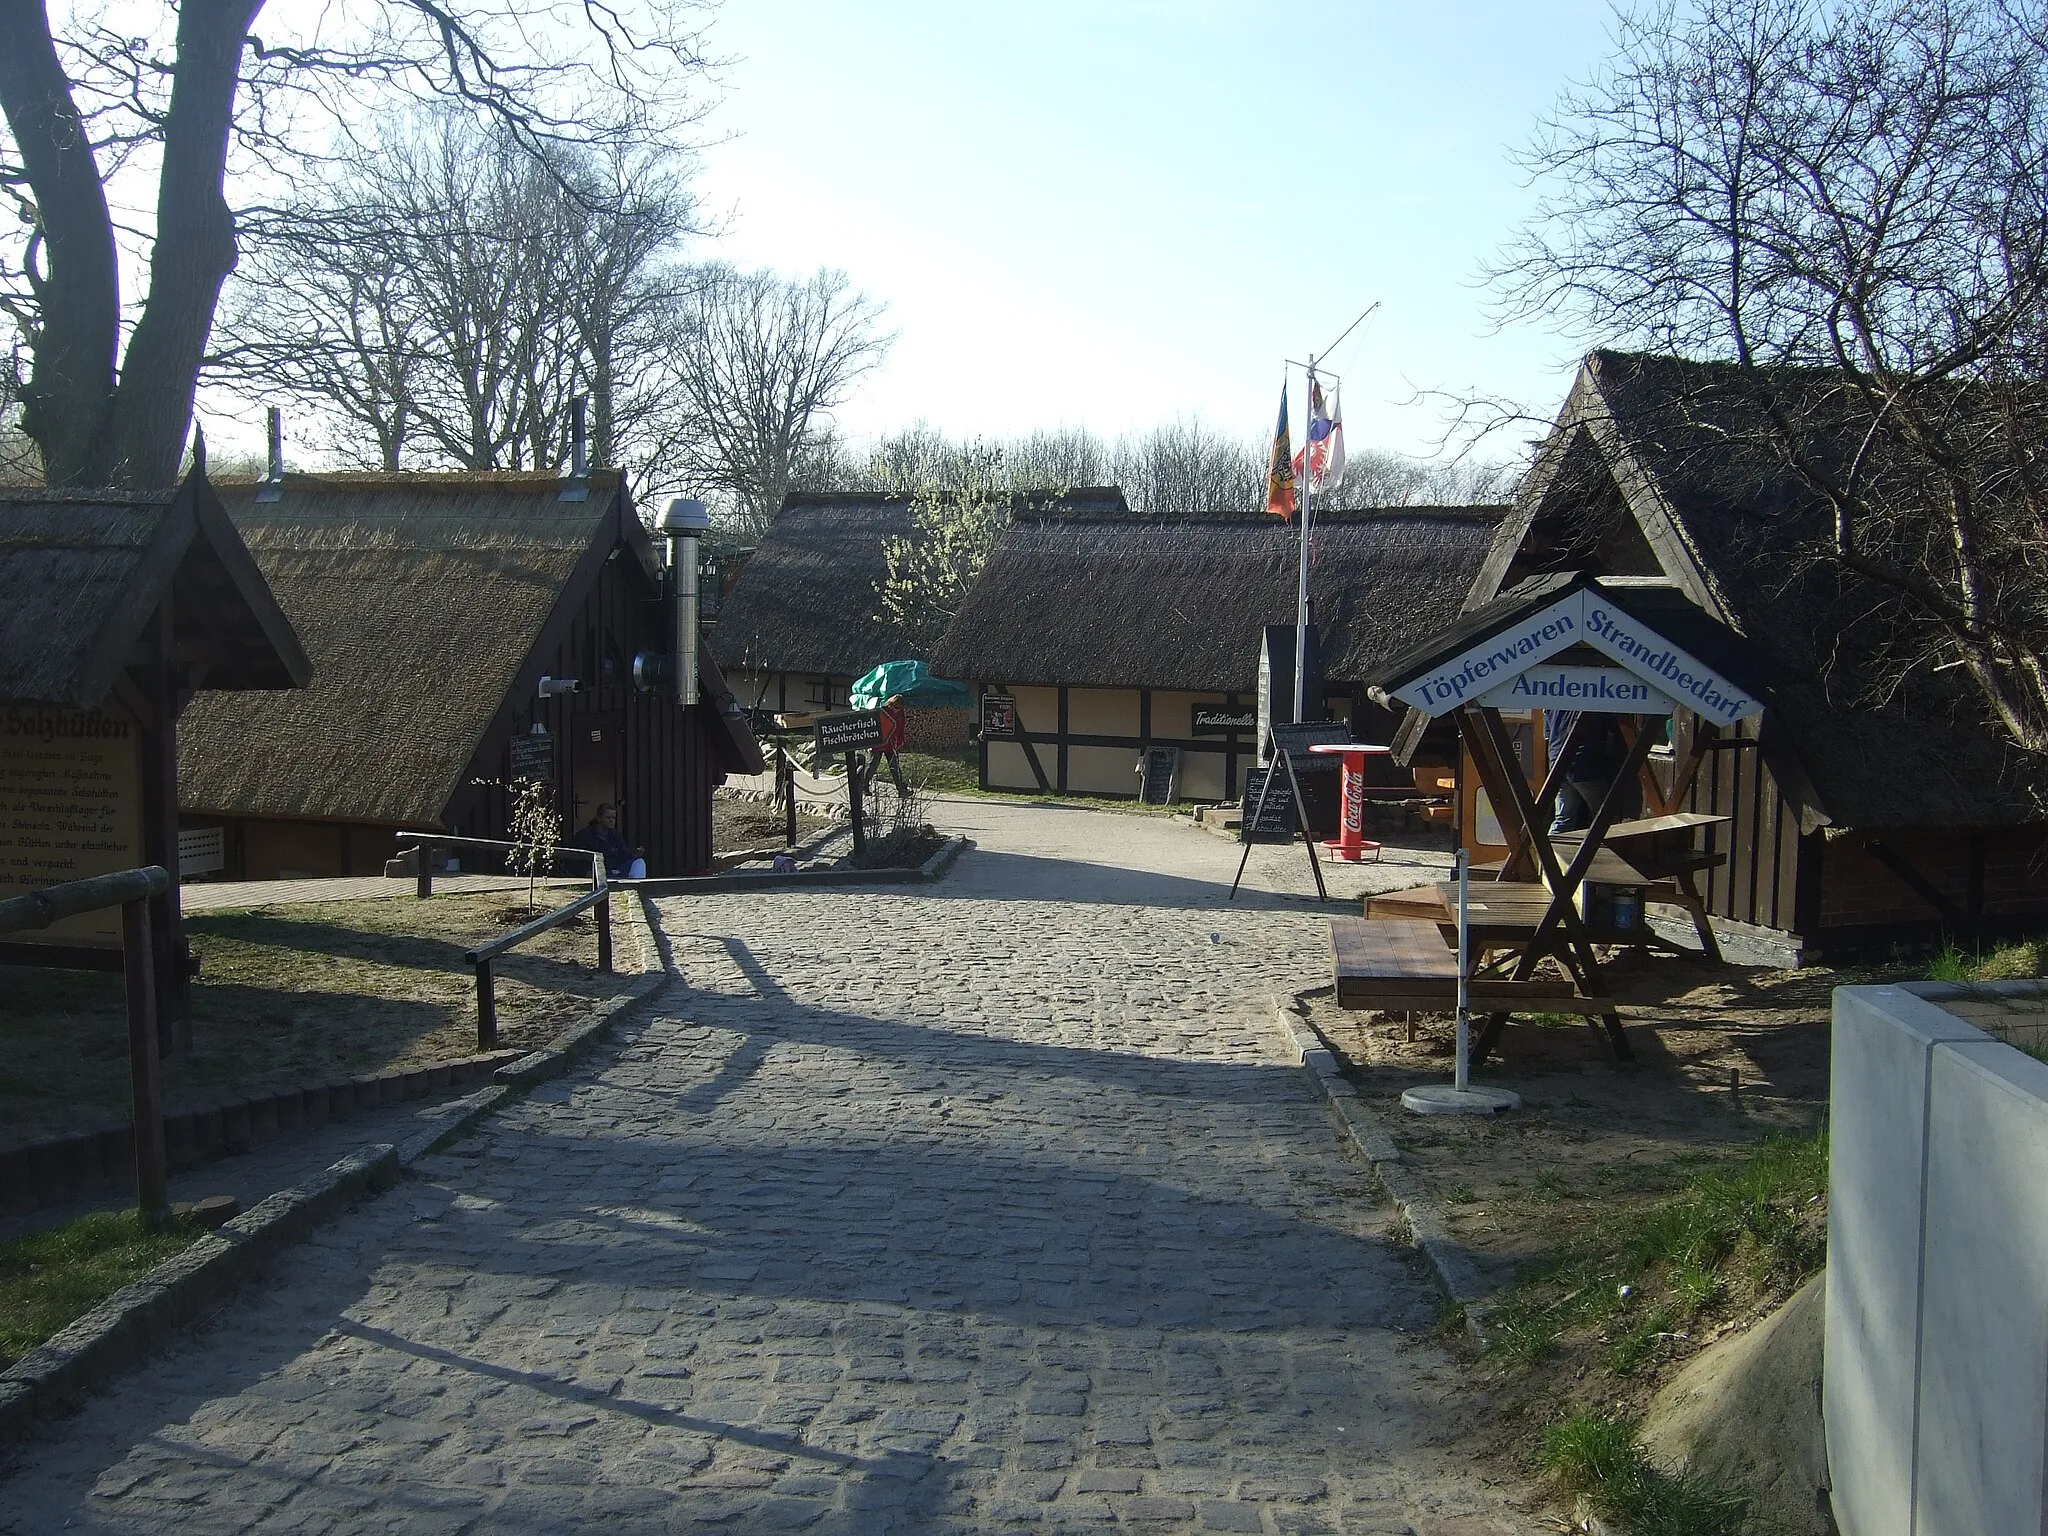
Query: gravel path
[985,1205]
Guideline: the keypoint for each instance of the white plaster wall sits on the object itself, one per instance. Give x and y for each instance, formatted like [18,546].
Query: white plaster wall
[1984,1305]
[1935,1383]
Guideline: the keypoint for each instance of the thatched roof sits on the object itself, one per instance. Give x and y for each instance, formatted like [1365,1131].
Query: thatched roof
[1147,603]
[1664,463]
[808,600]
[419,597]
[82,573]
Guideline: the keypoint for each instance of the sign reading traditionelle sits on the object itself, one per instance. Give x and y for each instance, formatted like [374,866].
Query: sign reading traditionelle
[1579,618]
[70,807]
[1217,720]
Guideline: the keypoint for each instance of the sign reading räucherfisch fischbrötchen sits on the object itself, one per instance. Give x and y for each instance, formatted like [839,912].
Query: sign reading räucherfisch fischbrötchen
[854,730]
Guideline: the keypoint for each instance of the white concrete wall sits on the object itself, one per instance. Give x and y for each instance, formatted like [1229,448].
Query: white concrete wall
[1936,1377]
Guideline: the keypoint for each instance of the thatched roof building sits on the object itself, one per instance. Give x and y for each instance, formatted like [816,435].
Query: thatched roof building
[1117,633]
[82,574]
[1874,801]
[803,616]
[1130,602]
[432,605]
[115,609]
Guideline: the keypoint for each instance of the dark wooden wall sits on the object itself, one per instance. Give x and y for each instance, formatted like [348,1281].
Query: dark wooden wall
[1760,884]
[1856,894]
[668,767]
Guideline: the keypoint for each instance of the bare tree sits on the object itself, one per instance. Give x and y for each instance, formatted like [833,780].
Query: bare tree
[1185,467]
[761,360]
[958,521]
[203,84]
[449,292]
[1847,203]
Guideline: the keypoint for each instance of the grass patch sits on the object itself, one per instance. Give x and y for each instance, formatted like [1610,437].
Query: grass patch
[290,995]
[51,1279]
[1598,1455]
[2023,961]
[1642,1282]
[951,771]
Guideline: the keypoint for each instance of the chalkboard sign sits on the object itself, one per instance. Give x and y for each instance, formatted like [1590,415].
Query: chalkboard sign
[851,731]
[1295,741]
[999,717]
[533,757]
[1160,770]
[1269,812]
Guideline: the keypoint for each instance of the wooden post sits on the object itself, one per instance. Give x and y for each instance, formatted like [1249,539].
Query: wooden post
[152,1186]
[604,935]
[860,836]
[423,876]
[486,1008]
[785,765]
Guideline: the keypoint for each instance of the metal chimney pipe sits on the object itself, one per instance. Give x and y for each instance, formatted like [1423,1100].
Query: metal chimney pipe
[579,438]
[684,523]
[272,486]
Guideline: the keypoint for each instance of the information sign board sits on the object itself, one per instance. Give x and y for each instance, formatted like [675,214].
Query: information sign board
[853,730]
[999,717]
[533,757]
[70,807]
[1269,810]
[1295,741]
[1159,771]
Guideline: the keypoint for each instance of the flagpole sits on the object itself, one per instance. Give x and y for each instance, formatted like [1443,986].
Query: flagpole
[1301,590]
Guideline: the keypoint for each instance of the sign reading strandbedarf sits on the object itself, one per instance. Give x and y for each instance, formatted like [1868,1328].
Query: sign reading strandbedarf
[1651,657]
[1594,690]
[1585,618]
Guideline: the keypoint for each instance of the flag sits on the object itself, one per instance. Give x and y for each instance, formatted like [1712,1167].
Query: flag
[1321,460]
[1279,469]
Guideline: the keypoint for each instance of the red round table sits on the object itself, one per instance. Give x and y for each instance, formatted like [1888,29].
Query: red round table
[1351,843]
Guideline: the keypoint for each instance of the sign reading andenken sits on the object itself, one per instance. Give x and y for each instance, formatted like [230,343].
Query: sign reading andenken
[70,807]
[1590,690]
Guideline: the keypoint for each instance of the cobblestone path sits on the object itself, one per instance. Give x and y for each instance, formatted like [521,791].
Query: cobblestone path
[990,1204]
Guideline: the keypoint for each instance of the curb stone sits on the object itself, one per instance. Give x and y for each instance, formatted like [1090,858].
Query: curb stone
[1454,1271]
[122,1330]
[693,885]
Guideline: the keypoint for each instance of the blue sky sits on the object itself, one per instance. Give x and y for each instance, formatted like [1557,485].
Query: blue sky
[1108,214]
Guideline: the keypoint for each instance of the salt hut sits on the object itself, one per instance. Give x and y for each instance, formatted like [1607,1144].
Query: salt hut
[802,621]
[1857,824]
[433,605]
[117,612]
[1117,633]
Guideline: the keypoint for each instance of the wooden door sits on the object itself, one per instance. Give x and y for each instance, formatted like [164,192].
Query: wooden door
[596,741]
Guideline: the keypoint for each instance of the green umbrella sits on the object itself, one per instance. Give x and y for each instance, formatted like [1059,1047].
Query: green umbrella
[910,682]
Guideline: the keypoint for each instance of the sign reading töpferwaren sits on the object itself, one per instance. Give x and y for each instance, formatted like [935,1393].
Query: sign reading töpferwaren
[853,730]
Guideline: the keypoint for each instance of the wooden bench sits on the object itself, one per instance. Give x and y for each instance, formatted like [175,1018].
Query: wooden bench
[1399,965]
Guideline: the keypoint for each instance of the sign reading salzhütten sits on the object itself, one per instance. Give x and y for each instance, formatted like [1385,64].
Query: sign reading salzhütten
[1580,618]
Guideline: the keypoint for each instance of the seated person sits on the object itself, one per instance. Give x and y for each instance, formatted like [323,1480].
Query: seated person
[602,837]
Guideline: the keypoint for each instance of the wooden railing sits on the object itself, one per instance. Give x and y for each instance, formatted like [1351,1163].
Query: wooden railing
[131,891]
[482,957]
